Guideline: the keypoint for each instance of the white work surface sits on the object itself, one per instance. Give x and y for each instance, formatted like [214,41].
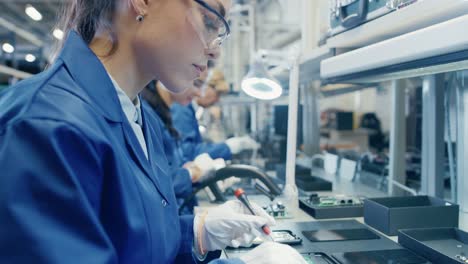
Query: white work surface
[339,187]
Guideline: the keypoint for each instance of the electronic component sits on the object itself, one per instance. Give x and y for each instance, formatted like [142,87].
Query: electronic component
[337,200]
[336,206]
[276,210]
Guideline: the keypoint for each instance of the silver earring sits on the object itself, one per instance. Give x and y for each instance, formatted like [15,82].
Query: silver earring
[140,18]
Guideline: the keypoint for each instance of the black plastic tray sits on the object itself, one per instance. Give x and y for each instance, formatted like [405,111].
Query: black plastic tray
[326,247]
[312,183]
[439,245]
[390,214]
[304,180]
[392,256]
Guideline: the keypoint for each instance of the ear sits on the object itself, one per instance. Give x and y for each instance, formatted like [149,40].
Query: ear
[140,7]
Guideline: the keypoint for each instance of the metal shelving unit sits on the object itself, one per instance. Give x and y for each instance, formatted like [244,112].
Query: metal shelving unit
[427,53]
[413,54]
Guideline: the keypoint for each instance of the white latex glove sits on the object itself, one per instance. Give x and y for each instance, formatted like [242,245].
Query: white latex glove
[219,163]
[206,165]
[202,168]
[238,144]
[229,224]
[229,182]
[273,253]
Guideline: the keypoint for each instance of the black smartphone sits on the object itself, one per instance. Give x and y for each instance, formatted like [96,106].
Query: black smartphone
[318,258]
[286,237]
[280,236]
[340,235]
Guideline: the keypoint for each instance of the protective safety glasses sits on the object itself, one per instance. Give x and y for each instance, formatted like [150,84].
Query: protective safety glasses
[211,27]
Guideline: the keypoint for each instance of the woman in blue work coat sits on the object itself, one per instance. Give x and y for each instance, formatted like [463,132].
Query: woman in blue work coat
[184,172]
[84,177]
[186,123]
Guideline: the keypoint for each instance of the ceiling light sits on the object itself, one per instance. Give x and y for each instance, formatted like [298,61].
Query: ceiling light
[30,58]
[33,13]
[8,48]
[58,34]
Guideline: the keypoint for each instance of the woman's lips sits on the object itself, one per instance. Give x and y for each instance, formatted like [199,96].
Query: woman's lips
[199,68]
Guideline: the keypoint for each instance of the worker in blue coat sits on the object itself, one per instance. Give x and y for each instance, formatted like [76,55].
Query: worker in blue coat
[184,173]
[185,121]
[84,176]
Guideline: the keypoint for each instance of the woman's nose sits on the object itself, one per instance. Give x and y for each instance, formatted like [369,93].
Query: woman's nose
[213,53]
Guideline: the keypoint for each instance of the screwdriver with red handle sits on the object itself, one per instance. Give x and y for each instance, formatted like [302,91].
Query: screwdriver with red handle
[240,194]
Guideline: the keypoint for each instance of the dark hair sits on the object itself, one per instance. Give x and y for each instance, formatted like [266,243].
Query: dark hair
[86,17]
[152,96]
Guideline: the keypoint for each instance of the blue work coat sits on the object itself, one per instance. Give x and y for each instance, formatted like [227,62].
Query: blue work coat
[75,185]
[192,143]
[181,177]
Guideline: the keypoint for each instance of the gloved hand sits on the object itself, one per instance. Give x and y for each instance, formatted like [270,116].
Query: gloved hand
[273,253]
[229,224]
[195,172]
[219,163]
[205,164]
[238,144]
[227,183]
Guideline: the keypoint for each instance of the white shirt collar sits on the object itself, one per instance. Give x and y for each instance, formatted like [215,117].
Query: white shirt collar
[132,110]
[198,110]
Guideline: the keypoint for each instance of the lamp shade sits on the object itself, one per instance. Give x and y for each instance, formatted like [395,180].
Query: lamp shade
[259,84]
